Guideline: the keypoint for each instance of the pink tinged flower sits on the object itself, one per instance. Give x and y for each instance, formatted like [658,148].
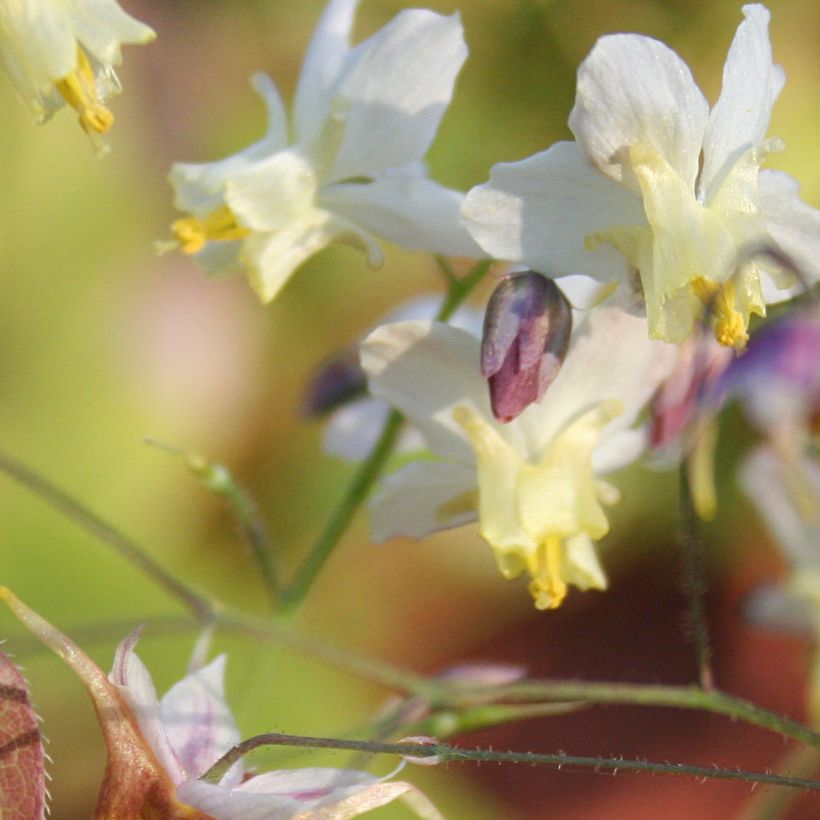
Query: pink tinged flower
[535,484]
[527,328]
[630,202]
[363,119]
[157,749]
[700,362]
[22,763]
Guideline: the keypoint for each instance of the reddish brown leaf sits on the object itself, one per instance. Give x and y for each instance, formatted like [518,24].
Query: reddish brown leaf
[22,772]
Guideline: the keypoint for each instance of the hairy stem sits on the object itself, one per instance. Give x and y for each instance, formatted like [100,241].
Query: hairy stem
[693,582]
[445,753]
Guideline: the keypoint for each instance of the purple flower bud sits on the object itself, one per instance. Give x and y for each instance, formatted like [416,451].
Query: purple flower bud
[339,380]
[527,328]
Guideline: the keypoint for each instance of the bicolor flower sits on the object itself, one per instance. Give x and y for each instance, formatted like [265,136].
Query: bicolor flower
[157,750]
[64,51]
[534,484]
[363,119]
[658,193]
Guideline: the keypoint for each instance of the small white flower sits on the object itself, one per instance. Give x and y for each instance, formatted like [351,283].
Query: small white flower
[533,483]
[658,188]
[363,119]
[59,51]
[191,727]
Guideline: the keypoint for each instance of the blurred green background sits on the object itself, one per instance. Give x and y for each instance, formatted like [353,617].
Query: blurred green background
[103,342]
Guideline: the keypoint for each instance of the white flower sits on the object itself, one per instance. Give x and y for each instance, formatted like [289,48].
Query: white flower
[353,429]
[59,51]
[192,727]
[533,483]
[158,750]
[363,119]
[658,186]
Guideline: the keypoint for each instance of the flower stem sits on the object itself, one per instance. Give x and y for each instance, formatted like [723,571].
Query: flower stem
[337,524]
[677,697]
[370,470]
[200,606]
[693,581]
[445,753]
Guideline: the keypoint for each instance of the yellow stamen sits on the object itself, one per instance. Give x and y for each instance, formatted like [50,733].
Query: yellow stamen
[547,587]
[730,329]
[79,90]
[220,225]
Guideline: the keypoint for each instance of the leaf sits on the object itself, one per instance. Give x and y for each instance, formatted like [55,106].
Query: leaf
[22,768]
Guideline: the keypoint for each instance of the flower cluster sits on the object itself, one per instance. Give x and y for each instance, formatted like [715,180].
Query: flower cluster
[660,206]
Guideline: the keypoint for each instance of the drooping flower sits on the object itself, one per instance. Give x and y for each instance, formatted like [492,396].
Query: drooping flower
[363,119]
[157,750]
[64,51]
[533,484]
[658,193]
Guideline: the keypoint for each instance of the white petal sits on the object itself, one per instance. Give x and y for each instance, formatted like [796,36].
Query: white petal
[635,90]
[793,224]
[271,258]
[199,187]
[751,84]
[38,38]
[133,681]
[101,25]
[539,212]
[413,502]
[198,722]
[393,91]
[353,430]
[618,449]
[415,213]
[611,357]
[424,369]
[766,480]
[323,61]
[319,794]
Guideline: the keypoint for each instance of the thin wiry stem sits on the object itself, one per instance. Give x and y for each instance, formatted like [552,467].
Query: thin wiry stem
[694,583]
[444,753]
[199,605]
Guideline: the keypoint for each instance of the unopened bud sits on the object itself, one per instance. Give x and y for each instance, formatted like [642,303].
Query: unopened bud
[336,382]
[527,328]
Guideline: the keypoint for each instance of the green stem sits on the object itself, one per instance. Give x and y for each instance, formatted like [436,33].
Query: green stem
[693,581]
[200,606]
[445,753]
[438,694]
[677,697]
[219,479]
[370,470]
[357,491]
[460,289]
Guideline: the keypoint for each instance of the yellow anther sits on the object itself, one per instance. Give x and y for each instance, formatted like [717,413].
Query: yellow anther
[220,225]
[79,90]
[547,587]
[730,329]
